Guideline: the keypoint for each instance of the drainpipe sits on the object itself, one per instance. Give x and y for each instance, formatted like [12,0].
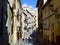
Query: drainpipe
[15,27]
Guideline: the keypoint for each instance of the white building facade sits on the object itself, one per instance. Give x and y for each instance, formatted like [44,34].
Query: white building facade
[29,15]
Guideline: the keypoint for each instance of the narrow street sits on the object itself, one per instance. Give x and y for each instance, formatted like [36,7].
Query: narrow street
[29,22]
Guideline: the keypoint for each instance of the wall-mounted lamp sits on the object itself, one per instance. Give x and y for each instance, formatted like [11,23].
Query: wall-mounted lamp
[52,8]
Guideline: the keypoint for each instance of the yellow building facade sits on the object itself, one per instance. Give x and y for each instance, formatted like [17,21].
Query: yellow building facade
[51,21]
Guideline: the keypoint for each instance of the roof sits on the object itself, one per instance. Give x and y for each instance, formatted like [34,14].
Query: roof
[38,1]
[48,1]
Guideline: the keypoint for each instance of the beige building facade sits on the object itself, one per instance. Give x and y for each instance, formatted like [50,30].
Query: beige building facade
[13,21]
[51,21]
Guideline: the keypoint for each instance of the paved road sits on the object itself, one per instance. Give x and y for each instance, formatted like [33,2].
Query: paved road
[21,42]
[26,42]
[30,41]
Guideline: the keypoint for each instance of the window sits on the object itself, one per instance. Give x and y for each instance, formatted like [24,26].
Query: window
[25,27]
[29,28]
[52,26]
[46,25]
[25,21]
[14,4]
[14,0]
[57,16]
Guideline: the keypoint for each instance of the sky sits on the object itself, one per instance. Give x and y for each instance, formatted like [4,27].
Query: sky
[29,3]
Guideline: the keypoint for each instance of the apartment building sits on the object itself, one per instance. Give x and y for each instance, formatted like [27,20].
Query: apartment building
[13,22]
[51,22]
[39,5]
[28,21]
